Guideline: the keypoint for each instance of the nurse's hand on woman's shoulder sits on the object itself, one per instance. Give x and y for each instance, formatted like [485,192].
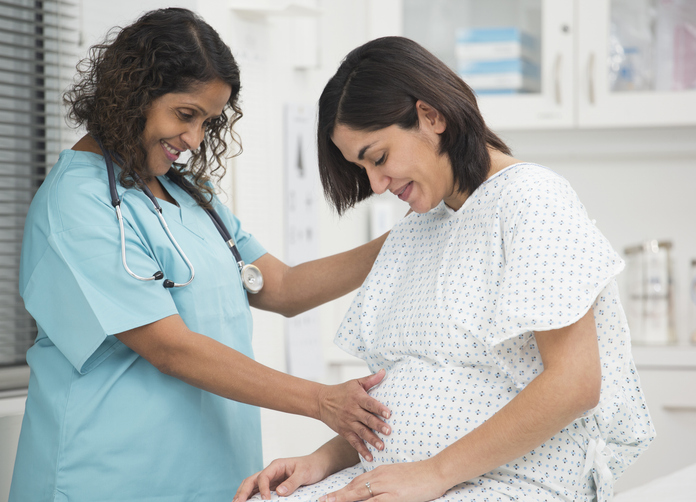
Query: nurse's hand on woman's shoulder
[352,413]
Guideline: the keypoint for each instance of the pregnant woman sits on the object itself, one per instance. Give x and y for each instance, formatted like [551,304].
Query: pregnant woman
[493,307]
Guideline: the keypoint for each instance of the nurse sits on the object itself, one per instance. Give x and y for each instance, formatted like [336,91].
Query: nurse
[140,392]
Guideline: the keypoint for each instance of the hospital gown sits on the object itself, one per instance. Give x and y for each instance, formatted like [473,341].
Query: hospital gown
[450,309]
[101,423]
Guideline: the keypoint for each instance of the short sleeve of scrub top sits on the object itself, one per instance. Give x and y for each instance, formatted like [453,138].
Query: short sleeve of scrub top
[73,245]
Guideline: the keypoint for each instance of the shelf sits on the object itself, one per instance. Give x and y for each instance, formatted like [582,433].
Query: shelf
[665,356]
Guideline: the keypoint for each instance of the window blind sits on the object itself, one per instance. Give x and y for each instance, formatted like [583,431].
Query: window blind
[38,47]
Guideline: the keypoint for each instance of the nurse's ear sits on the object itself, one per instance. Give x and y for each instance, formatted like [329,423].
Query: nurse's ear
[429,118]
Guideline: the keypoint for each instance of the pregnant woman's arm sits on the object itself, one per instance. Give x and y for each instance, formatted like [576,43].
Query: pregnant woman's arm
[286,475]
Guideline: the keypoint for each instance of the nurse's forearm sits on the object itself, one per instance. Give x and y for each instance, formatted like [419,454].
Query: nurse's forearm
[293,290]
[209,365]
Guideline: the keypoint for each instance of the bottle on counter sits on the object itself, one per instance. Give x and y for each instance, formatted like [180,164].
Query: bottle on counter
[692,303]
[650,300]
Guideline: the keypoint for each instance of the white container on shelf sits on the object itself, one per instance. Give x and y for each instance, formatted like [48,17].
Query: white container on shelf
[649,305]
[495,44]
[498,60]
[507,76]
[692,303]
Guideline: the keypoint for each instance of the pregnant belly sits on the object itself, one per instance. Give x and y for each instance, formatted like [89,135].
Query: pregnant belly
[432,407]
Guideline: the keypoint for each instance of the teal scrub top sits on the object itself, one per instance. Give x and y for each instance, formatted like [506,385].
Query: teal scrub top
[102,423]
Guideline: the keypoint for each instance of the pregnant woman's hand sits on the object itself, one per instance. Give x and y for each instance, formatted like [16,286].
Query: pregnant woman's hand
[286,475]
[408,482]
[291,472]
[352,413]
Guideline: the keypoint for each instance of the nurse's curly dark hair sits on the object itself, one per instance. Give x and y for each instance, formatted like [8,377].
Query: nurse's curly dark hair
[164,51]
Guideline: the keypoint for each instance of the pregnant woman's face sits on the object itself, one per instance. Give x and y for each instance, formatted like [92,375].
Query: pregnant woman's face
[407,162]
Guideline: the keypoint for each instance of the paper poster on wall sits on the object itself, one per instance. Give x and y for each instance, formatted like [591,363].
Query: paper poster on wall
[302,192]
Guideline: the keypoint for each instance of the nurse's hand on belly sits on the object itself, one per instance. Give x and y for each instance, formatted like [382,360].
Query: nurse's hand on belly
[351,412]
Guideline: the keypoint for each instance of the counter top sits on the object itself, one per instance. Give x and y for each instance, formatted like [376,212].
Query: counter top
[665,356]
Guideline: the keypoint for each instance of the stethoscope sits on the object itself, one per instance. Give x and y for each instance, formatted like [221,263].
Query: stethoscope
[252,279]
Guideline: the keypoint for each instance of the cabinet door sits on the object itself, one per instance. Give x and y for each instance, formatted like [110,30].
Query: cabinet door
[671,397]
[552,107]
[641,101]
[548,100]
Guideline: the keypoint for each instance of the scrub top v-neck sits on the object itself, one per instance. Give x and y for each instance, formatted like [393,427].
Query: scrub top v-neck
[102,423]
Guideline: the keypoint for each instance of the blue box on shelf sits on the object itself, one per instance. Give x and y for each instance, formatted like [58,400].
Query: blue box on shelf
[498,60]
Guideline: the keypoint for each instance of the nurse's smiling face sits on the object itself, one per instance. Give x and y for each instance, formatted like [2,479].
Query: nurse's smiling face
[406,162]
[176,122]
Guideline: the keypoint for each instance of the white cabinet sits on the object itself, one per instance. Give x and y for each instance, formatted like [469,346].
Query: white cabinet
[553,106]
[597,106]
[668,379]
[575,75]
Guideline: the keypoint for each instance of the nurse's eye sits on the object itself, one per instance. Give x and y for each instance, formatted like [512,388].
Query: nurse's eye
[381,160]
[185,116]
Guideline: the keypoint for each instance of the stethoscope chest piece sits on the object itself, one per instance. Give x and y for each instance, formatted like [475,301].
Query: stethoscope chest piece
[252,279]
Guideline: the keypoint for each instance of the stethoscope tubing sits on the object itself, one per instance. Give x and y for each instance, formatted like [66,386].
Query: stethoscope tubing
[251,276]
[179,250]
[123,249]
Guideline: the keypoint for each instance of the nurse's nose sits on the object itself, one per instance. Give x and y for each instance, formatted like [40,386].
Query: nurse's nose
[378,181]
[193,136]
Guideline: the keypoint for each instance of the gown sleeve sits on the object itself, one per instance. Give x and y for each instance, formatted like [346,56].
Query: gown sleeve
[74,283]
[556,261]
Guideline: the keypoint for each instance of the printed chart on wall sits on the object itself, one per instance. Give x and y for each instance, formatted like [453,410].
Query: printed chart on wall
[303,337]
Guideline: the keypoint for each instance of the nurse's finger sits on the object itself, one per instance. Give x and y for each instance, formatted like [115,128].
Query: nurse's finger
[372,405]
[357,438]
[368,435]
[373,423]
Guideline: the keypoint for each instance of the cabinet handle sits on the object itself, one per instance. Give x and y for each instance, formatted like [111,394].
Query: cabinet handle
[679,407]
[590,79]
[557,78]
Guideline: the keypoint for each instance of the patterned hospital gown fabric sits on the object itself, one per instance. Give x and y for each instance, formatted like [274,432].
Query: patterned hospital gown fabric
[450,309]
